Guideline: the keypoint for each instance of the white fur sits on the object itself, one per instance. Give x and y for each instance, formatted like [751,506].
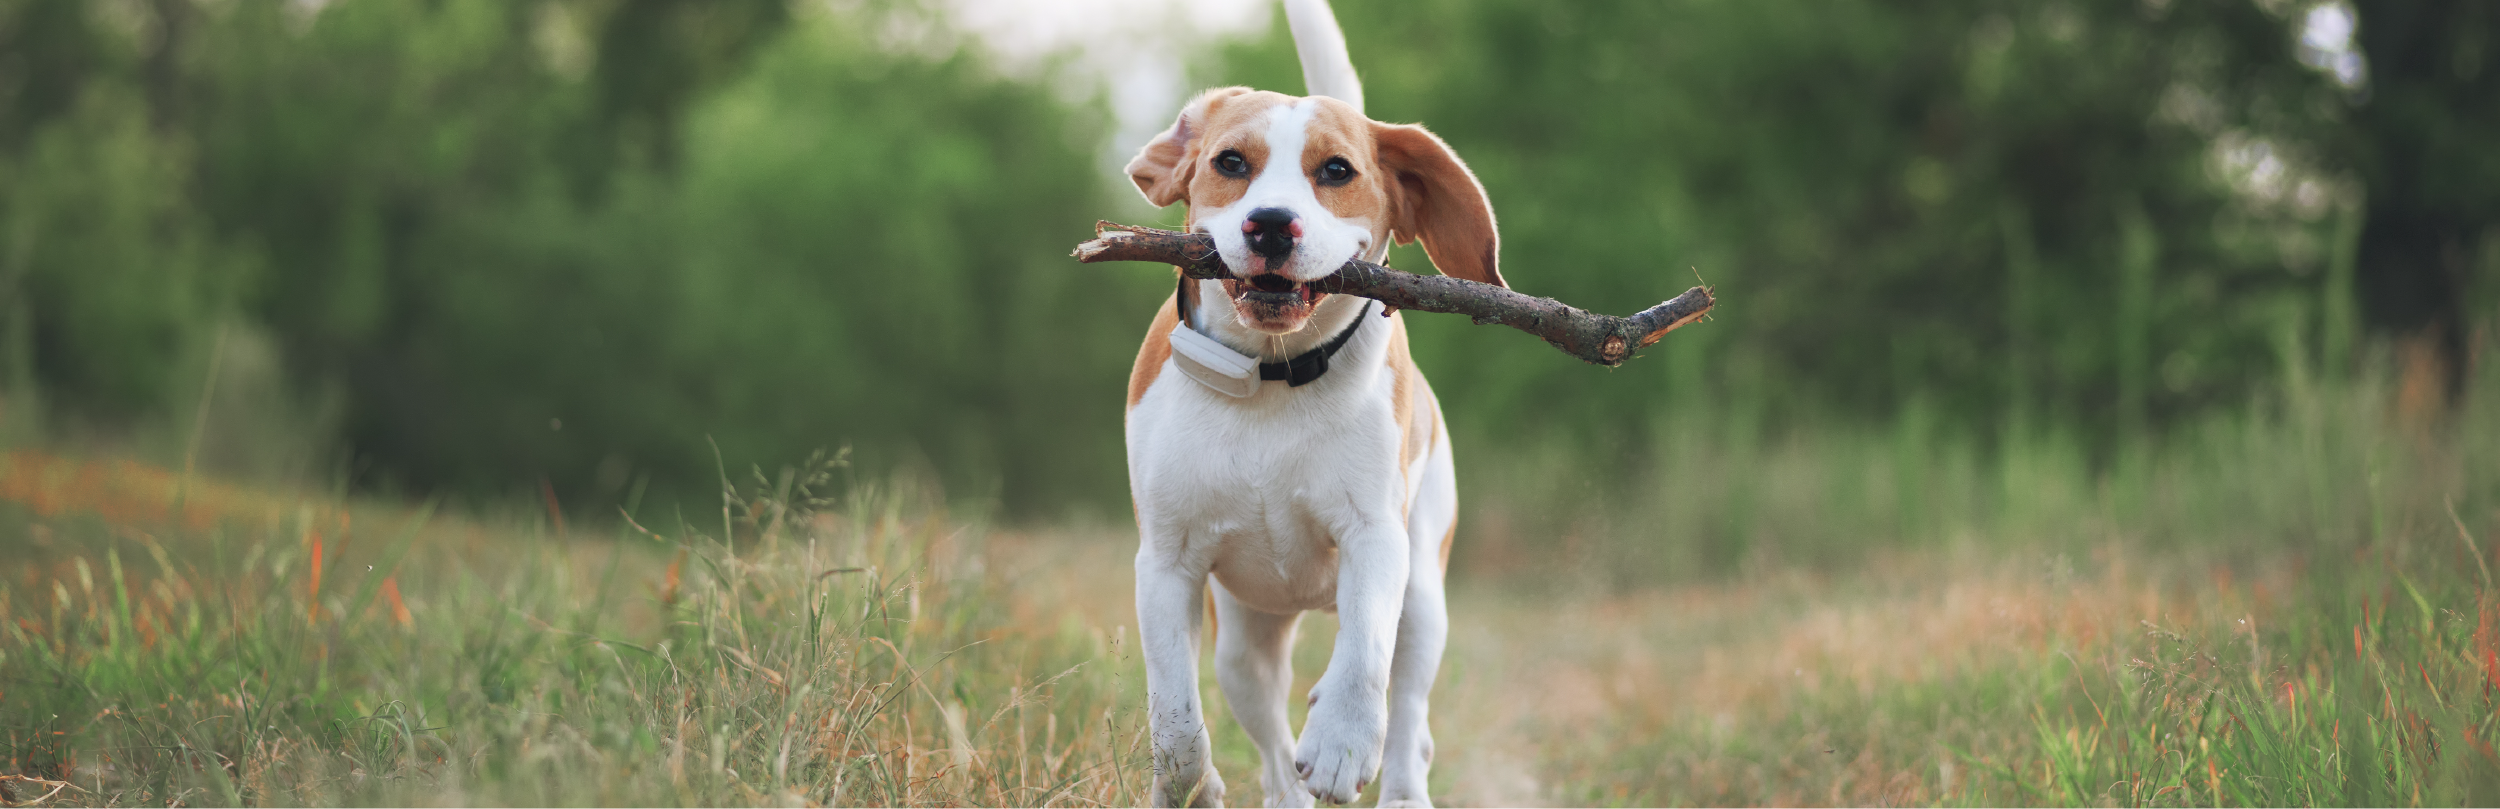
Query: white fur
[1291,500]
[1327,240]
[1287,500]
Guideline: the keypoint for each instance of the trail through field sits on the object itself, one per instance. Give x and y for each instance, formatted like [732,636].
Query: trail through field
[1712,686]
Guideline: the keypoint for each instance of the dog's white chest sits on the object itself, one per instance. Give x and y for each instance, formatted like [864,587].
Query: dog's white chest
[1259,489]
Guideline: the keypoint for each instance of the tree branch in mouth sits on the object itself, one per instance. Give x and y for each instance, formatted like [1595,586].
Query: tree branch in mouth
[1601,339]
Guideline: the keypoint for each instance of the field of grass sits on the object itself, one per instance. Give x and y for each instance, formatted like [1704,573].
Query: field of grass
[2291,605]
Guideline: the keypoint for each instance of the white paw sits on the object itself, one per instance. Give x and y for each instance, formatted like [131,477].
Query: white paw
[1207,791]
[1339,752]
[1290,795]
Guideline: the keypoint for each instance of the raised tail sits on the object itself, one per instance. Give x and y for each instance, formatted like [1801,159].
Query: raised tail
[1326,68]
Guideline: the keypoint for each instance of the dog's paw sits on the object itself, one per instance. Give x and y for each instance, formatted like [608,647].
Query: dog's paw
[1282,789]
[1208,790]
[1290,796]
[1339,752]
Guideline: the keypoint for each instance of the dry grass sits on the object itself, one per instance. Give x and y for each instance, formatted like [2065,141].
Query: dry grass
[171,643]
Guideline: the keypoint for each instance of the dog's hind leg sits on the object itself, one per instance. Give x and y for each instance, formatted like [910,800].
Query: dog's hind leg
[1254,663]
[1423,627]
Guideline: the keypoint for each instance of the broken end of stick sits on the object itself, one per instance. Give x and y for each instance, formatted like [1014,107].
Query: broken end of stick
[1105,234]
[1680,310]
[1117,242]
[1705,302]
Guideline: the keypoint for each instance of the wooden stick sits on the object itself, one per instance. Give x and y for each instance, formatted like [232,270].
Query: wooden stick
[1602,339]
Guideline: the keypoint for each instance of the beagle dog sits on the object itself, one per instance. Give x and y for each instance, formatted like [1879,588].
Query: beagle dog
[1284,454]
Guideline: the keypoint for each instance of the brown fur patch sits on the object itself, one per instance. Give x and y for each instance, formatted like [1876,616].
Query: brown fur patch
[1417,412]
[1438,201]
[1402,380]
[1410,398]
[1150,356]
[1447,538]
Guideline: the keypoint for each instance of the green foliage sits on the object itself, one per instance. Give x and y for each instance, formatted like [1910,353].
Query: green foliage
[465,224]
[2430,245]
[571,241]
[108,277]
[855,248]
[2007,213]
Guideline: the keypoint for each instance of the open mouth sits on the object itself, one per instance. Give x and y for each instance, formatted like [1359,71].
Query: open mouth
[1272,302]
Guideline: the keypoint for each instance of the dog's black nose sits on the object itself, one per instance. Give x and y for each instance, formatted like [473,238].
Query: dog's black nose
[1271,232]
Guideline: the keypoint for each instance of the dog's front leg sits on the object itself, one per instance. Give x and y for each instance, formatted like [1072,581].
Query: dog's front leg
[1339,752]
[1170,601]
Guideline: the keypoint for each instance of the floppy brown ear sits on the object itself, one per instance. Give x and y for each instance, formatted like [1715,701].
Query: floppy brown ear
[1433,197]
[1162,169]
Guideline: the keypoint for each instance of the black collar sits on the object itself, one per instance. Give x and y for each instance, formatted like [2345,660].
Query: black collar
[1309,365]
[1302,369]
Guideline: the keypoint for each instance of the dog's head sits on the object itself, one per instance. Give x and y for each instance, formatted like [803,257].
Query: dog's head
[1291,188]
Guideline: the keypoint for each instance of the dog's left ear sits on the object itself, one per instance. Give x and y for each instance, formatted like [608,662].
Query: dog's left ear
[1433,197]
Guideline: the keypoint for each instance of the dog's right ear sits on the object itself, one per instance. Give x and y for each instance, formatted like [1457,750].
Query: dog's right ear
[1162,169]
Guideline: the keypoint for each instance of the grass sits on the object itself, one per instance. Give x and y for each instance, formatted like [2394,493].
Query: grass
[2289,605]
[375,655]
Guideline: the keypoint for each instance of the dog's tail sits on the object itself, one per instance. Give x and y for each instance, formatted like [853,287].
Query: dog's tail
[1326,69]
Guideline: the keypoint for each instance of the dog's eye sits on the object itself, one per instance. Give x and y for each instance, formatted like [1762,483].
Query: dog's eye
[1231,163]
[1336,171]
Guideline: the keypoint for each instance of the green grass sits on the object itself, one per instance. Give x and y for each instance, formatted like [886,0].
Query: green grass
[2288,605]
[850,659]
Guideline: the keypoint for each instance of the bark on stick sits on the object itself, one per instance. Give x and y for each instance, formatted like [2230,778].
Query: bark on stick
[1602,339]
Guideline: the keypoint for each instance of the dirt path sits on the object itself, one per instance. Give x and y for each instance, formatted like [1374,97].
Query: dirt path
[1724,690]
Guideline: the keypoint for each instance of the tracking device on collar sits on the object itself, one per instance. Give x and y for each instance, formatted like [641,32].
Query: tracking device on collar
[1213,364]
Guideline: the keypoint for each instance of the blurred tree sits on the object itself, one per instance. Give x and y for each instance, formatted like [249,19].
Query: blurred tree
[2422,137]
[856,247]
[2012,211]
[572,238]
[793,237]
[48,50]
[659,55]
[107,274]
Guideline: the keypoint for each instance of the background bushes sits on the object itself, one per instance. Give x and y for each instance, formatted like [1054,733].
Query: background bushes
[487,244]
